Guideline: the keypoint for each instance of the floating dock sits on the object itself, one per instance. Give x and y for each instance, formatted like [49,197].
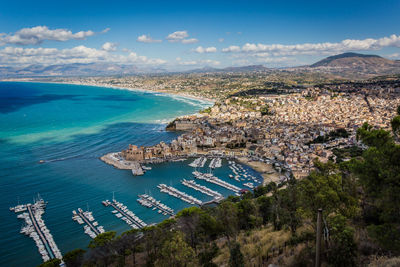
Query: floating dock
[215,163]
[35,228]
[150,202]
[178,194]
[121,211]
[212,179]
[91,227]
[199,162]
[203,189]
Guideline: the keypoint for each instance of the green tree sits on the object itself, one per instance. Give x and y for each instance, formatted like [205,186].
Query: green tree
[323,188]
[342,248]
[176,252]
[74,258]
[102,239]
[395,122]
[51,263]
[379,173]
[227,216]
[236,258]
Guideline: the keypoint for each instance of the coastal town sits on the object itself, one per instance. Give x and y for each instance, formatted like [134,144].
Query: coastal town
[281,133]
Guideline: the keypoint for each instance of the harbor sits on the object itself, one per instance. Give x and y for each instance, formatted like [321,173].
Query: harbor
[203,189]
[122,212]
[215,163]
[215,180]
[35,228]
[199,162]
[150,202]
[179,194]
[91,227]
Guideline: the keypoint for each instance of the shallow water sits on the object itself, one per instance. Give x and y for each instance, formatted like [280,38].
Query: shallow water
[70,127]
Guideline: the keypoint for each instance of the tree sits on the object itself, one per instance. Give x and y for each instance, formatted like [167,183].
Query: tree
[208,254]
[102,239]
[323,188]
[51,263]
[342,249]
[74,258]
[379,174]
[176,252]
[395,122]
[398,110]
[236,257]
[227,216]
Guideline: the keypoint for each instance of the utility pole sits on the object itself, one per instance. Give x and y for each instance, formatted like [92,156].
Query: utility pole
[318,245]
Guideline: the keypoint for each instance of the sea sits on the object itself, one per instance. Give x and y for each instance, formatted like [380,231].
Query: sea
[70,127]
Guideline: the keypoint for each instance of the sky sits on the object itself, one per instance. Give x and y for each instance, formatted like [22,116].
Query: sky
[181,35]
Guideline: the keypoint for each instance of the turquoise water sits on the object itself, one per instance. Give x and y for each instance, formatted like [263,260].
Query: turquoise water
[70,127]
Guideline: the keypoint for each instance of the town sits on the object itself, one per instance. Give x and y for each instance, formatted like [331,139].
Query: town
[288,131]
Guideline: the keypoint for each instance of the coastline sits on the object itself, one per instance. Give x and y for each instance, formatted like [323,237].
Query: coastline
[266,170]
[155,91]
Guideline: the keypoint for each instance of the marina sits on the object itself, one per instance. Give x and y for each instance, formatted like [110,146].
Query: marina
[35,228]
[215,163]
[121,211]
[199,162]
[150,202]
[215,180]
[203,189]
[178,194]
[91,227]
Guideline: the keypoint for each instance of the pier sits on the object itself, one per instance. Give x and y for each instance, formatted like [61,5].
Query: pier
[150,202]
[203,189]
[37,230]
[125,214]
[178,194]
[215,163]
[212,179]
[199,162]
[87,217]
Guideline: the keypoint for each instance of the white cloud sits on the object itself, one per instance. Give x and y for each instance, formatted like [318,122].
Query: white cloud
[179,37]
[78,54]
[232,48]
[109,47]
[221,40]
[394,55]
[202,50]
[147,39]
[318,48]
[189,41]
[36,35]
[199,62]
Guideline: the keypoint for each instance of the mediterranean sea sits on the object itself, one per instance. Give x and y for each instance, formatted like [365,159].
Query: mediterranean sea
[70,127]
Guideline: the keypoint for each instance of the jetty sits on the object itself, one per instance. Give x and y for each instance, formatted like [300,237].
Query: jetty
[35,228]
[150,202]
[203,189]
[215,180]
[116,160]
[178,194]
[91,227]
[215,163]
[121,211]
[199,162]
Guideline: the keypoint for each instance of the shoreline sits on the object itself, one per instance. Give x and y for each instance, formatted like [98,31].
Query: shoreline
[170,94]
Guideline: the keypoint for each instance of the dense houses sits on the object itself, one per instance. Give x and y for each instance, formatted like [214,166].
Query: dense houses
[282,136]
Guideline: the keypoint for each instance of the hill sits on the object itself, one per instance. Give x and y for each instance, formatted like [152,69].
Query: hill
[355,63]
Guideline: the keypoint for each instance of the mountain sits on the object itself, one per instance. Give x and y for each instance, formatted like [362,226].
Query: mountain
[75,69]
[250,68]
[358,63]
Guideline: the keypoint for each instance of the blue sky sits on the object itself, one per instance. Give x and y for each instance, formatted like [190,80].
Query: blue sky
[201,33]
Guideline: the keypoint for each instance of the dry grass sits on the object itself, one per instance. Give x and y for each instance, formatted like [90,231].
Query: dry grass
[254,245]
[385,262]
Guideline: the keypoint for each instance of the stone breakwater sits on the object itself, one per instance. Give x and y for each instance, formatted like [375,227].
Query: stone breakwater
[116,160]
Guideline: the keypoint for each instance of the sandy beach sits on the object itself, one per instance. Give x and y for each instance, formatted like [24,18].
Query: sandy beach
[266,170]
